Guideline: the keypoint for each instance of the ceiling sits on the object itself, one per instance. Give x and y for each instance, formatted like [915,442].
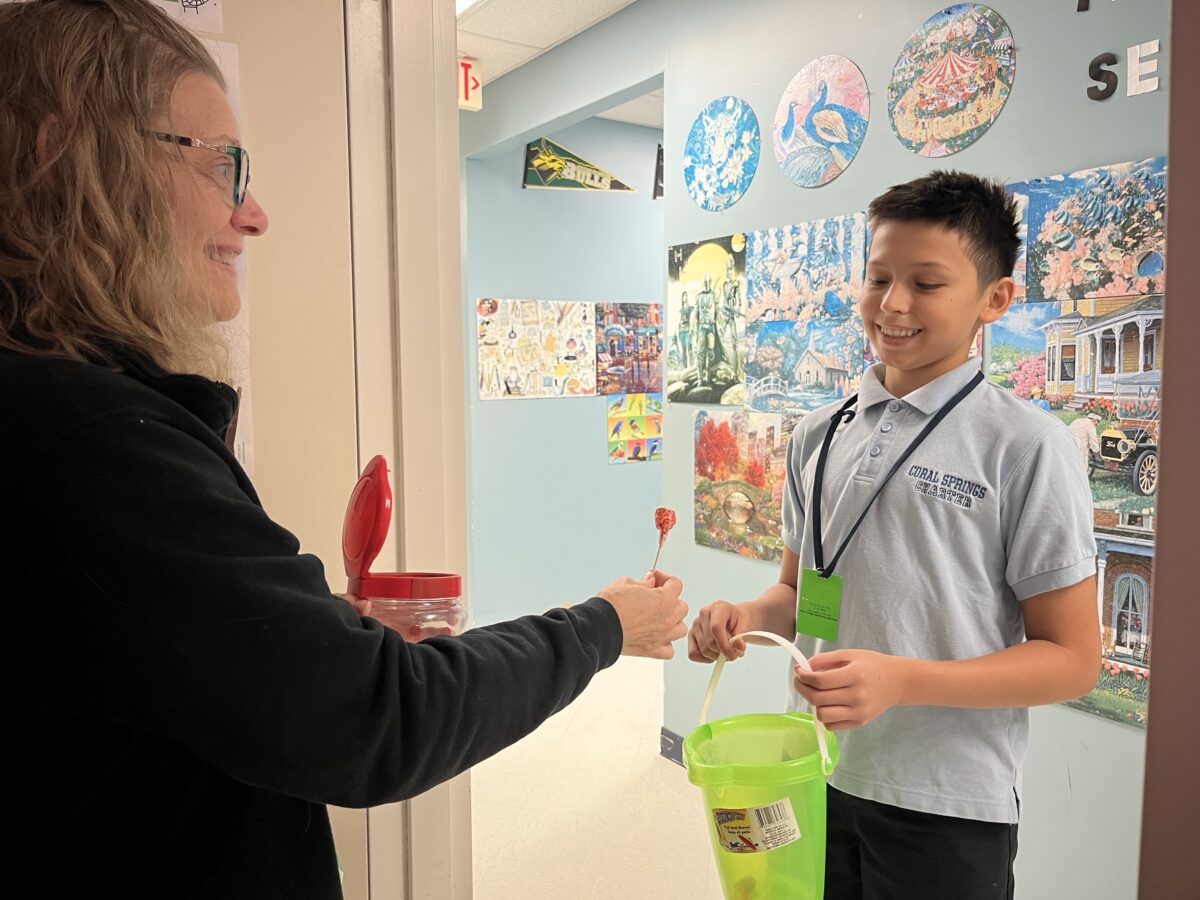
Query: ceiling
[645,110]
[500,35]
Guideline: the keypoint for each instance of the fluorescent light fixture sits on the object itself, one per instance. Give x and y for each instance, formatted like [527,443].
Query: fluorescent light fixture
[461,6]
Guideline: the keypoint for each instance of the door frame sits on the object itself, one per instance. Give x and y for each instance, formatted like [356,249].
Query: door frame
[409,378]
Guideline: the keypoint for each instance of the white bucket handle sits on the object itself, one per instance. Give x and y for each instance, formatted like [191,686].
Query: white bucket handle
[801,661]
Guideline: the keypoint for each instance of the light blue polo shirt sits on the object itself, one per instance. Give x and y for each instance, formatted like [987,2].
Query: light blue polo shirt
[993,508]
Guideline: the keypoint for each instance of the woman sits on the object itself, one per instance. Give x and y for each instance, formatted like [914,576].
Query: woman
[196,694]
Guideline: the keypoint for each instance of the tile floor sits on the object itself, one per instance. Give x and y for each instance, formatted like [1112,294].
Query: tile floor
[586,809]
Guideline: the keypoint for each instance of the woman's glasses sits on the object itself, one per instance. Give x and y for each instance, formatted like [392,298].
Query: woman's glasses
[236,175]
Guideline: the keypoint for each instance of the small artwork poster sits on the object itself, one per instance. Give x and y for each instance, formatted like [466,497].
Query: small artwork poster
[536,348]
[1124,586]
[796,367]
[1098,232]
[1017,350]
[629,339]
[635,428]
[821,121]
[721,154]
[740,471]
[1097,366]
[1104,378]
[798,272]
[804,345]
[706,312]
[977,347]
[951,80]
[198,15]
[1020,194]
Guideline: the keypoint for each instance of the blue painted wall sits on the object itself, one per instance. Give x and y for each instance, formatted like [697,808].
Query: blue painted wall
[551,521]
[1083,776]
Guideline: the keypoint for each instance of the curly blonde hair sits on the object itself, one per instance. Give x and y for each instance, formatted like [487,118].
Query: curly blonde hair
[88,252]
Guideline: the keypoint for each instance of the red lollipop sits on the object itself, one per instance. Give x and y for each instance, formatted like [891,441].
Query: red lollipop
[664,521]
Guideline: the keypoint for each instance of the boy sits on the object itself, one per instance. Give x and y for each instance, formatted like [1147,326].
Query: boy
[968,589]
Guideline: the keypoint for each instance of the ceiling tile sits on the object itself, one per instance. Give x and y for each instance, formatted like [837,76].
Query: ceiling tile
[646,110]
[493,58]
[537,23]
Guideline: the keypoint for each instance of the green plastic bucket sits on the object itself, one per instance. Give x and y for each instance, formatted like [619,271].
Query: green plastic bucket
[763,781]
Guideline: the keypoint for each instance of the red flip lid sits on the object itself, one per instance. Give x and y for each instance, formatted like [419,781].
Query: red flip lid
[368,516]
[408,586]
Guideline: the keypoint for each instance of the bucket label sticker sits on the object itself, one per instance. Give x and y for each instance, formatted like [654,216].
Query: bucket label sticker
[758,828]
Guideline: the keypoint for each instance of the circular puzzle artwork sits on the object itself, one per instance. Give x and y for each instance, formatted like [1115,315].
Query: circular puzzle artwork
[821,121]
[721,154]
[952,80]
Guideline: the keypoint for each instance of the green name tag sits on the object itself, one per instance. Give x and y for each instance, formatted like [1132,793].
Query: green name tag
[819,605]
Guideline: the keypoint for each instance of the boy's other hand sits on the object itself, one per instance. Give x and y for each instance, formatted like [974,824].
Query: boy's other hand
[711,633]
[849,688]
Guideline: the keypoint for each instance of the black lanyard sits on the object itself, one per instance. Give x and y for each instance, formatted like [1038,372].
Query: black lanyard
[846,413]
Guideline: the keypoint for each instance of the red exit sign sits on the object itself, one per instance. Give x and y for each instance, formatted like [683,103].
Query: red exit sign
[470,88]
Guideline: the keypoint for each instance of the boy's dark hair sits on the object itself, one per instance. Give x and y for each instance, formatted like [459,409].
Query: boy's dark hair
[982,212]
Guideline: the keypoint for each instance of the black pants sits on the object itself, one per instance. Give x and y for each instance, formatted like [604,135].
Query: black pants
[880,852]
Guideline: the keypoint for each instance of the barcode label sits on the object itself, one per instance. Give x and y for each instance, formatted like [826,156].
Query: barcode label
[771,815]
[757,828]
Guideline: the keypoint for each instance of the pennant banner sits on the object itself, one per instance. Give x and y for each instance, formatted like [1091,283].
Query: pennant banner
[551,166]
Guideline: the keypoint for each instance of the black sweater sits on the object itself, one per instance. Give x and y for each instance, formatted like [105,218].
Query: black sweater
[182,693]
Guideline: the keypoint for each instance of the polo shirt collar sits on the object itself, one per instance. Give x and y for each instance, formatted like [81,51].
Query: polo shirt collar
[928,399]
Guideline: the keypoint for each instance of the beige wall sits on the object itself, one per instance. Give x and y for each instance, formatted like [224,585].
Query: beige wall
[301,317]
[293,98]
[302,326]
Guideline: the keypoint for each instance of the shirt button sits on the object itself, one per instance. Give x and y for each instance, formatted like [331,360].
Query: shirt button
[875,451]
[885,427]
[894,406]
